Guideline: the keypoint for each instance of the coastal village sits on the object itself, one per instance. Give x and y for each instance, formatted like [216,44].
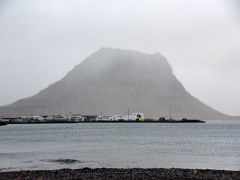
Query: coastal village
[72,118]
[79,118]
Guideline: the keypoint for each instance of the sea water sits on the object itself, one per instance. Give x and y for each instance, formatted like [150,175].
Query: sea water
[211,145]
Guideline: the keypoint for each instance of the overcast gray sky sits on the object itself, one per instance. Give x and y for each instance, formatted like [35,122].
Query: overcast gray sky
[41,40]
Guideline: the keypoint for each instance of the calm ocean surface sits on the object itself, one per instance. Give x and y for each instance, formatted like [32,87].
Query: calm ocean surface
[214,145]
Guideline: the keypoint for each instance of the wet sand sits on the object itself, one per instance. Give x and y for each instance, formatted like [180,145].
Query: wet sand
[121,174]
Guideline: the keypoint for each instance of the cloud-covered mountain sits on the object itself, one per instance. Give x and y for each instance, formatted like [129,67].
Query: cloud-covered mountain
[110,81]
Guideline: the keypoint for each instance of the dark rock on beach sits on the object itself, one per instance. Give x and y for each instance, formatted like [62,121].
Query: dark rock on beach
[121,174]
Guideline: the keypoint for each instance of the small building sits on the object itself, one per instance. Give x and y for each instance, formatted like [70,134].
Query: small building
[61,117]
[77,117]
[89,118]
[37,119]
[134,117]
[104,118]
[116,117]
[47,117]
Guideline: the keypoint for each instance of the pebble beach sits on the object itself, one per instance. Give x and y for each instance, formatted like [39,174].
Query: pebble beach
[121,174]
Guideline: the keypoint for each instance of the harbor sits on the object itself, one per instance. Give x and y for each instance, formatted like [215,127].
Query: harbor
[79,118]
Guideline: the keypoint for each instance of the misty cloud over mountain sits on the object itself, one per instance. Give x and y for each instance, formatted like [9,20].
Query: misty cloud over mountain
[112,80]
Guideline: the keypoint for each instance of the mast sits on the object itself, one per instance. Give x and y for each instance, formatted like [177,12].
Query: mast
[170,113]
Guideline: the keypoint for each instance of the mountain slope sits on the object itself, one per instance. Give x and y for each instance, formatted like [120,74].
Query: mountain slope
[111,81]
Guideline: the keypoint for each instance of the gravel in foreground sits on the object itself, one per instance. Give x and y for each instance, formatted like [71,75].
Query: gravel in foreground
[121,174]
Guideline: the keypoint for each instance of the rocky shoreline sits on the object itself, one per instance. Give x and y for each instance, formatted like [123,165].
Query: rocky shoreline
[121,174]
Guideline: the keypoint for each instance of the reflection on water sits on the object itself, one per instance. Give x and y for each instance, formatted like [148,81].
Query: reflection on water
[214,145]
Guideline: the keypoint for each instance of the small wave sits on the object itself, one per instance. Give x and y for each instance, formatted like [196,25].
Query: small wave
[8,154]
[6,169]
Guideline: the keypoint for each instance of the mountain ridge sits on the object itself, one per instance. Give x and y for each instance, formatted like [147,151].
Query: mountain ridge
[112,80]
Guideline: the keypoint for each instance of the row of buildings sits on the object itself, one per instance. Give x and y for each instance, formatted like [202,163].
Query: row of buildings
[73,118]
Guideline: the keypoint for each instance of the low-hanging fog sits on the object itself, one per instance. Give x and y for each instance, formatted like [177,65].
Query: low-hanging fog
[41,40]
